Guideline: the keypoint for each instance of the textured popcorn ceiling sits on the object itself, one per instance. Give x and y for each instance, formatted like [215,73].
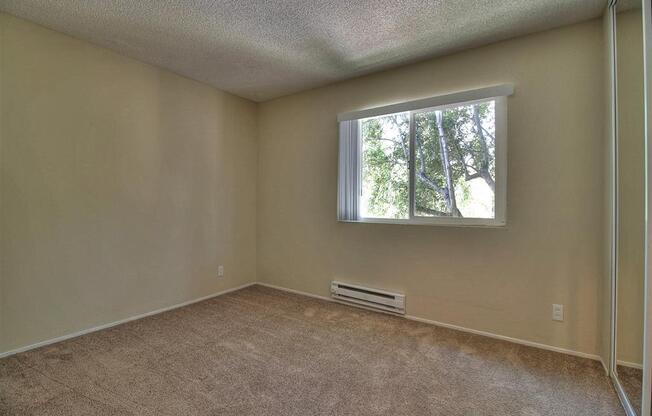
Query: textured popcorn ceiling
[264,49]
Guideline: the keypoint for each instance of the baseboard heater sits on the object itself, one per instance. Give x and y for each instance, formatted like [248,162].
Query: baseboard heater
[367,297]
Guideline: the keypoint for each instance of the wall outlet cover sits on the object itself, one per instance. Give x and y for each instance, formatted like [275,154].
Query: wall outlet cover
[557,312]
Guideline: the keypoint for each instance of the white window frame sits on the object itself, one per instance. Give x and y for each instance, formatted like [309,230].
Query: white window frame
[350,164]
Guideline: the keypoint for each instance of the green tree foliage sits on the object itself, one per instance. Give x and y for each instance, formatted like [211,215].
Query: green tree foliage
[452,147]
[385,164]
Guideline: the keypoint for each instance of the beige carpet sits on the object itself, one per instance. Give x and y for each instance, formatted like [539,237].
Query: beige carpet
[260,351]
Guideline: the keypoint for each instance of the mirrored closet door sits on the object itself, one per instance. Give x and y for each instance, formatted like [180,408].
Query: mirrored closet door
[629,240]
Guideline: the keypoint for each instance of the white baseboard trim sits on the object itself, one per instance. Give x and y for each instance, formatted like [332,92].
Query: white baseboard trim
[324,298]
[298,292]
[604,365]
[121,321]
[310,295]
[630,364]
[506,338]
[458,328]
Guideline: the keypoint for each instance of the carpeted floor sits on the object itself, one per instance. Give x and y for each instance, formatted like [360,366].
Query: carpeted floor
[260,351]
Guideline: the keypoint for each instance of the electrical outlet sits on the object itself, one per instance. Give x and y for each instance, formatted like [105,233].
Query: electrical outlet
[557,312]
[220,271]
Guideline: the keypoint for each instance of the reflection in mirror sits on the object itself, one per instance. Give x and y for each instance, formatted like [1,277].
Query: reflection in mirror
[630,198]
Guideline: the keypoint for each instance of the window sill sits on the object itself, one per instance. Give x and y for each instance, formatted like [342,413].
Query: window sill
[442,222]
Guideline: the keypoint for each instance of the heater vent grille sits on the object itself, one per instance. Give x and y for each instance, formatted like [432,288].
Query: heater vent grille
[368,297]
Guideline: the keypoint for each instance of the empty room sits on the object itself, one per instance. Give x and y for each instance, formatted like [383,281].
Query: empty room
[246,207]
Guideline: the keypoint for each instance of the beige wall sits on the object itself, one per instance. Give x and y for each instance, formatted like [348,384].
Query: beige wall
[631,185]
[123,186]
[498,280]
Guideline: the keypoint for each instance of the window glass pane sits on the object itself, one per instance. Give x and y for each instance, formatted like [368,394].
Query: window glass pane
[455,161]
[385,178]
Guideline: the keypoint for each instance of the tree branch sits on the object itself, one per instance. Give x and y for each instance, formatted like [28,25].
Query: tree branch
[435,212]
[484,162]
[450,190]
[491,136]
[431,183]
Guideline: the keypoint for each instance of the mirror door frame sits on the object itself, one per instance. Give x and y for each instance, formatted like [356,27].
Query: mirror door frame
[610,28]
[646,405]
[646,9]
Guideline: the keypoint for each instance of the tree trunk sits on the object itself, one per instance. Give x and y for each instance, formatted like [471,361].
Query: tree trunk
[484,160]
[451,201]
